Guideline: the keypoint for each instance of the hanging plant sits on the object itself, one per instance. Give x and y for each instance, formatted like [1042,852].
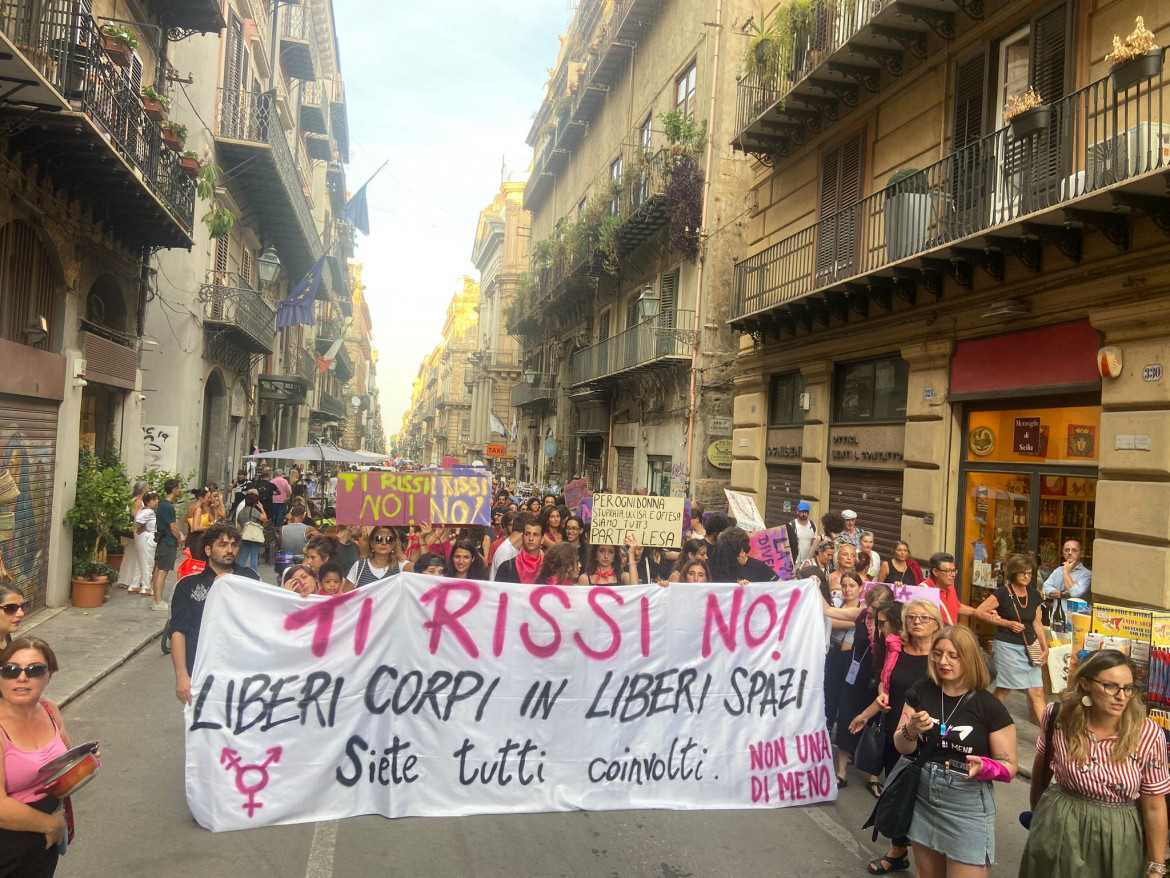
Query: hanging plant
[684,201]
[219,222]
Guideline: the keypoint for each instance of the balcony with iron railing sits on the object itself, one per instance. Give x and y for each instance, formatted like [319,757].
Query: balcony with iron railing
[297,373]
[233,309]
[663,341]
[525,394]
[839,52]
[313,103]
[200,16]
[1100,157]
[298,42]
[256,157]
[327,406]
[104,150]
[339,116]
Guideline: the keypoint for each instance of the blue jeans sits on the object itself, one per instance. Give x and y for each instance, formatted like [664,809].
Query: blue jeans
[250,555]
[278,515]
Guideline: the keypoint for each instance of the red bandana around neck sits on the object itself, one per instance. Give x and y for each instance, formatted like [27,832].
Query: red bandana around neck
[528,566]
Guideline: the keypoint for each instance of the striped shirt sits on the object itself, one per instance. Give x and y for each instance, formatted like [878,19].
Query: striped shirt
[1143,774]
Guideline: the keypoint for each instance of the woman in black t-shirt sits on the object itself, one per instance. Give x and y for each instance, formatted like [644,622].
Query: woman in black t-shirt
[1014,610]
[964,726]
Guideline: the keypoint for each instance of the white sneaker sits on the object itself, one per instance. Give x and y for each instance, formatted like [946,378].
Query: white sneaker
[161,605]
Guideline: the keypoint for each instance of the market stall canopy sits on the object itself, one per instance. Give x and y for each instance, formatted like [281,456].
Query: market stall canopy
[319,451]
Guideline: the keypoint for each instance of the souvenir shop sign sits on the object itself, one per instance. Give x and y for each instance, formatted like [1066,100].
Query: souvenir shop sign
[439,496]
[655,521]
[744,510]
[771,547]
[425,697]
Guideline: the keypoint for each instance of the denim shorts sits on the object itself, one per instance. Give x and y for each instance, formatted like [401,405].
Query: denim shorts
[954,816]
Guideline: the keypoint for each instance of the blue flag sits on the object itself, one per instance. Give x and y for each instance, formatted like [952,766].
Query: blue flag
[300,305]
[357,211]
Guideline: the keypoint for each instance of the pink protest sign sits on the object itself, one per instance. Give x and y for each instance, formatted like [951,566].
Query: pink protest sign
[771,547]
[575,493]
[906,593]
[437,496]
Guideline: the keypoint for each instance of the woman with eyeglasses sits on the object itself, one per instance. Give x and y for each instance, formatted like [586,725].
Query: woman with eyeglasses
[31,733]
[1106,813]
[385,559]
[1015,611]
[14,607]
[880,617]
[574,530]
[905,664]
[971,742]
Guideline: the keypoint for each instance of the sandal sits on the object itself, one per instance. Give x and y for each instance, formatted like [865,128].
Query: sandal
[896,864]
[875,789]
[842,782]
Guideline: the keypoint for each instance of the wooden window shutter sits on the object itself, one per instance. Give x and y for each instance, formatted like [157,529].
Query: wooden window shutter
[970,94]
[246,266]
[668,298]
[830,188]
[841,187]
[603,326]
[234,72]
[221,259]
[632,312]
[1051,32]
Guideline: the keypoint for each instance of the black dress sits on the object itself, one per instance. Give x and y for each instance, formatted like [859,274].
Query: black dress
[856,696]
[905,577]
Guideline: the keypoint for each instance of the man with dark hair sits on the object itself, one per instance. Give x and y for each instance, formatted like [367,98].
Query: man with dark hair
[801,533]
[506,517]
[942,576]
[525,566]
[731,561]
[168,538]
[716,525]
[510,548]
[221,545]
[267,492]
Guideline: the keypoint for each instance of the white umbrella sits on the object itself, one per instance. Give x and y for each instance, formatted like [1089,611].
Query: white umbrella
[319,451]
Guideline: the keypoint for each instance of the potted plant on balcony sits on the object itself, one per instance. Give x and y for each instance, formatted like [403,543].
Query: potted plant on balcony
[1136,60]
[908,208]
[119,42]
[154,105]
[761,56]
[1027,114]
[191,164]
[174,135]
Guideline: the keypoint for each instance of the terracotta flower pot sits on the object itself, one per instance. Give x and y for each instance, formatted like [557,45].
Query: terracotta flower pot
[190,166]
[119,53]
[154,109]
[114,560]
[89,593]
[173,140]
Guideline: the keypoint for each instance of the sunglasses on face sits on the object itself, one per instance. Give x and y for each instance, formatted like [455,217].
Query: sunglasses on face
[10,609]
[12,671]
[379,538]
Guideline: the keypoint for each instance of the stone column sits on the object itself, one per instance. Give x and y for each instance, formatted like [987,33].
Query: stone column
[926,503]
[814,466]
[749,438]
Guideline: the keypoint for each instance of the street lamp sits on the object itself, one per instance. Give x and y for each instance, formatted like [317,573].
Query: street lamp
[530,377]
[648,303]
[269,264]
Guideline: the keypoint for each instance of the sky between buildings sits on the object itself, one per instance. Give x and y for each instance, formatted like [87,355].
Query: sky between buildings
[445,93]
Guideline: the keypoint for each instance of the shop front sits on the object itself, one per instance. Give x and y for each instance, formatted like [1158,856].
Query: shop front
[1030,448]
[865,476]
[784,452]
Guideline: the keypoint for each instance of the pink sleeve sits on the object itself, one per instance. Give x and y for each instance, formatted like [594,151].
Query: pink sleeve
[893,647]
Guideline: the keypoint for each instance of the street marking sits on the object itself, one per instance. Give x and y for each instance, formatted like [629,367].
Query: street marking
[321,850]
[821,818]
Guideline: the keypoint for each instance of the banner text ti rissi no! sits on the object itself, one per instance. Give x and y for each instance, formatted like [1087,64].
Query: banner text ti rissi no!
[424,696]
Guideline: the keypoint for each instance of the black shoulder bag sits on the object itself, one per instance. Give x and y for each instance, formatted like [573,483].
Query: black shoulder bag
[894,809]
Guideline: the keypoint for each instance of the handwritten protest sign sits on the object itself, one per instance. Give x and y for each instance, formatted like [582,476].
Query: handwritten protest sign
[576,492]
[907,593]
[771,547]
[743,508]
[421,696]
[437,496]
[656,521]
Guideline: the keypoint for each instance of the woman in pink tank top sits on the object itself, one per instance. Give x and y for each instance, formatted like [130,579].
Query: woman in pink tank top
[31,733]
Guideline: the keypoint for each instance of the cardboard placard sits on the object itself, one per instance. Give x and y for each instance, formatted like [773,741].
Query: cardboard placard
[575,492]
[655,521]
[771,547]
[437,496]
[743,508]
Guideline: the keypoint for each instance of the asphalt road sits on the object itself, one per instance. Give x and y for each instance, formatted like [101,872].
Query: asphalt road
[133,821]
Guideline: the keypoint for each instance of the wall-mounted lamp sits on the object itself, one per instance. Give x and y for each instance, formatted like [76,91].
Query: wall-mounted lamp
[140,397]
[648,303]
[269,265]
[530,377]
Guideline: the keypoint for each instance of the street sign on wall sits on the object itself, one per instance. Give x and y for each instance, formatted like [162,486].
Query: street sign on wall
[497,450]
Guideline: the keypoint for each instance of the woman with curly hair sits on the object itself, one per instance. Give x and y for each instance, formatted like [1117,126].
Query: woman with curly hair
[561,566]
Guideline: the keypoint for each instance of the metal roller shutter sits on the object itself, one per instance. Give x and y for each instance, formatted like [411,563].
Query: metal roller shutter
[783,495]
[28,449]
[876,497]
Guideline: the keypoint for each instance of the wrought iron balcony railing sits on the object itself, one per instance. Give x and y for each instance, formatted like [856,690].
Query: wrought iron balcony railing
[64,43]
[527,394]
[231,305]
[330,405]
[298,42]
[1076,159]
[669,336]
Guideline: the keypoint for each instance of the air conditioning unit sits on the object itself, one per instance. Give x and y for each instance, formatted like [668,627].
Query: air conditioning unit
[1142,148]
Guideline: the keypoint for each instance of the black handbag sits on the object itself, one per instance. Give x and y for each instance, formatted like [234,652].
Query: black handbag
[894,809]
[870,753]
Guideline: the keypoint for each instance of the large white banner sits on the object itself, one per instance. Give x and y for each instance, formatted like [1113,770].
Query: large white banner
[425,696]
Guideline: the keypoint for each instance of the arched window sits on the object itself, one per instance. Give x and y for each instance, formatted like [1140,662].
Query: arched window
[30,285]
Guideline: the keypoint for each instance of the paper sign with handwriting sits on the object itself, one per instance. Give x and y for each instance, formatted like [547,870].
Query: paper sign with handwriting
[744,510]
[655,521]
[771,547]
[419,696]
[436,496]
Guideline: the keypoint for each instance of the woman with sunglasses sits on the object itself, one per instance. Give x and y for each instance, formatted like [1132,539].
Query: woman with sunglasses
[385,559]
[1106,813]
[14,607]
[31,734]
[971,741]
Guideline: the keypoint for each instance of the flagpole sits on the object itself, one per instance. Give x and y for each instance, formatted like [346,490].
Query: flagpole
[367,183]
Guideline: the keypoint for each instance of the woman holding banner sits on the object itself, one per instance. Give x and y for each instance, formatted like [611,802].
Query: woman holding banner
[385,559]
[560,566]
[840,647]
[599,567]
[731,559]
[465,563]
[692,550]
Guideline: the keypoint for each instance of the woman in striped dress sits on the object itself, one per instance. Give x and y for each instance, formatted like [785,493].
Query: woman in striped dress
[1106,813]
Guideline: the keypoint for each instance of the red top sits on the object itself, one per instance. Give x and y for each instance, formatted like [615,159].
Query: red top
[1144,773]
[950,601]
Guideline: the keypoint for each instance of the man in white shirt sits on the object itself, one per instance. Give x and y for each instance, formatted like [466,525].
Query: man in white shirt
[510,548]
[801,533]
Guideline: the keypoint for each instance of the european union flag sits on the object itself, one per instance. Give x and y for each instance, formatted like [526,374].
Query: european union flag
[357,211]
[300,305]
